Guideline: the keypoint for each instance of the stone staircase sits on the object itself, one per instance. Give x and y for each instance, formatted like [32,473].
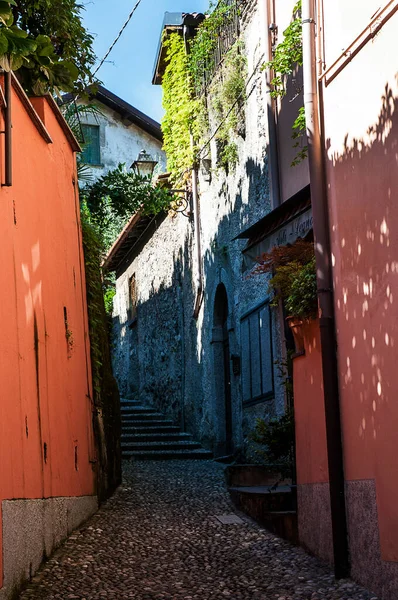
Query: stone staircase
[260,492]
[148,435]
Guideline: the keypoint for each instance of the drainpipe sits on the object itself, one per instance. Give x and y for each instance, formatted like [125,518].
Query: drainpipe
[8,129]
[325,295]
[267,18]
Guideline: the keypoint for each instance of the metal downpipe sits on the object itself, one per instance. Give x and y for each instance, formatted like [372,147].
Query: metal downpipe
[325,295]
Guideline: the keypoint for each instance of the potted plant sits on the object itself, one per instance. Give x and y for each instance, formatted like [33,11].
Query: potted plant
[293,282]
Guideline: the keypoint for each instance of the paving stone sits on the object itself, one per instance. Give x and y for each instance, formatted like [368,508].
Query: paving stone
[160,538]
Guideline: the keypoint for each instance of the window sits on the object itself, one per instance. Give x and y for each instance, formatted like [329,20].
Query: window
[91,154]
[132,311]
[257,358]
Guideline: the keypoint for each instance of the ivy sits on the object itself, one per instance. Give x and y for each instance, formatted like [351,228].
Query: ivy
[181,110]
[228,96]
[288,55]
[186,124]
[202,61]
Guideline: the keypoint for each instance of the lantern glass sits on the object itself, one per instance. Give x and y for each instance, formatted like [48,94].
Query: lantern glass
[144,165]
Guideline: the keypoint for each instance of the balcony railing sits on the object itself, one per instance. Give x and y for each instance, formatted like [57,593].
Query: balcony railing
[227,35]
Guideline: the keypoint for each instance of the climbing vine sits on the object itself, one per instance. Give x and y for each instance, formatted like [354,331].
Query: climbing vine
[194,85]
[288,55]
[182,111]
[228,96]
[202,58]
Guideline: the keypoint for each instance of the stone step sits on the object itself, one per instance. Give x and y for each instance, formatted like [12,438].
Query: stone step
[138,410]
[156,437]
[143,417]
[164,446]
[127,402]
[265,497]
[139,424]
[272,508]
[149,429]
[168,455]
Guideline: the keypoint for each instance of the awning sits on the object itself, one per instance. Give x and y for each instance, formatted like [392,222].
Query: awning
[284,225]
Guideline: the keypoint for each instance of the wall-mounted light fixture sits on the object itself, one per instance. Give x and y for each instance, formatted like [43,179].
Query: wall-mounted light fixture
[144,165]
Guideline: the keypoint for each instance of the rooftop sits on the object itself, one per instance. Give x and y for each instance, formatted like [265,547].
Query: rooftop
[172,22]
[125,110]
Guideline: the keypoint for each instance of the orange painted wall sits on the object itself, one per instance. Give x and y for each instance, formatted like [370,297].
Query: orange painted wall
[309,411]
[45,383]
[361,127]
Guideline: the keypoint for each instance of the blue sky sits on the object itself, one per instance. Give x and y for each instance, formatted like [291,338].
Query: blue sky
[128,71]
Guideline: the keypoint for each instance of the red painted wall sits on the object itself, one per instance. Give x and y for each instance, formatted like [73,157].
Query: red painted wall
[361,127]
[361,133]
[309,412]
[46,438]
[313,503]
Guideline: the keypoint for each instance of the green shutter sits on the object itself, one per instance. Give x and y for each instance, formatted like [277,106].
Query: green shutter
[91,147]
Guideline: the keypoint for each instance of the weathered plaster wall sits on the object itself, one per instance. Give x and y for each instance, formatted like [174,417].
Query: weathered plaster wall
[120,141]
[46,437]
[176,357]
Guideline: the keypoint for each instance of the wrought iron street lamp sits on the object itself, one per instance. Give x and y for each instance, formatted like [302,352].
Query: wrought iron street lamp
[144,165]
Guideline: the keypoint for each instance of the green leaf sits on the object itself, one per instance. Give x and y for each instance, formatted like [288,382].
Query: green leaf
[16,62]
[5,63]
[3,43]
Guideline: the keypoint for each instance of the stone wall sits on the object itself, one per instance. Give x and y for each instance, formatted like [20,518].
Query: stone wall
[171,359]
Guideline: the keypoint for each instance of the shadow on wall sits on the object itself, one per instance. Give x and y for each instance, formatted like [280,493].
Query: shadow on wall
[363,187]
[174,351]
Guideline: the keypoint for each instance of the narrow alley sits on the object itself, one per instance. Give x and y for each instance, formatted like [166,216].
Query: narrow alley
[159,538]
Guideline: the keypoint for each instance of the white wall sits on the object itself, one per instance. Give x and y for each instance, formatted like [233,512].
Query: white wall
[121,141]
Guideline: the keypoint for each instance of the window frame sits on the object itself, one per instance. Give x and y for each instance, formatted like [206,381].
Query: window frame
[270,395]
[97,127]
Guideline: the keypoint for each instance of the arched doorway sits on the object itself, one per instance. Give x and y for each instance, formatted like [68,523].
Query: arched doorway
[222,374]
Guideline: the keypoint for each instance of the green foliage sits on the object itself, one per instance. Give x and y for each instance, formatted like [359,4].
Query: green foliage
[92,247]
[293,277]
[109,292]
[288,55]
[201,59]
[299,130]
[186,122]
[115,197]
[228,95]
[181,110]
[301,300]
[277,439]
[46,43]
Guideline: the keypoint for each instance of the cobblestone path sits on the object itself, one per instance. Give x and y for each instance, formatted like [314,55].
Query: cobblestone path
[159,538]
